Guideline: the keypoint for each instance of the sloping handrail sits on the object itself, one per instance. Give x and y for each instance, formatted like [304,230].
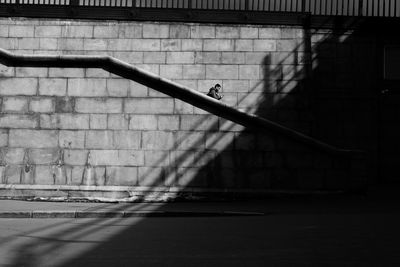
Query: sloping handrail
[167,87]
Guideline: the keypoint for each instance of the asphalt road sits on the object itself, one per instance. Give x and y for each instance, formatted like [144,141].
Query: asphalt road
[332,238]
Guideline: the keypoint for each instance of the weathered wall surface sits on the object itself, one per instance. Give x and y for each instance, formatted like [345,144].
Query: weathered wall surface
[84,129]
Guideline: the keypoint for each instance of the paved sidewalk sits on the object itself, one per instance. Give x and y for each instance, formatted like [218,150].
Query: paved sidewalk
[379,200]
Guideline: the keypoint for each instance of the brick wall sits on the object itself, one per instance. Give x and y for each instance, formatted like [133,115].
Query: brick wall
[84,127]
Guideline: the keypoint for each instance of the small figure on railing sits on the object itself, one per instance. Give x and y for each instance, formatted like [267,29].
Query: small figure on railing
[214,92]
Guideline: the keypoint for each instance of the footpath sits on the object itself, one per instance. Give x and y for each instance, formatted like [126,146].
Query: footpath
[377,200]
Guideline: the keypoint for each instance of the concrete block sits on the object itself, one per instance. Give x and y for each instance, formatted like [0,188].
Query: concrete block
[230,126]
[154,57]
[233,58]
[194,72]
[21,31]
[98,105]
[244,45]
[208,57]
[18,121]
[127,139]
[48,43]
[42,105]
[168,123]
[7,71]
[257,58]
[297,160]
[129,57]
[43,155]
[171,45]
[265,143]
[156,158]
[70,44]
[269,33]
[157,94]
[202,31]
[3,138]
[30,72]
[71,139]
[33,138]
[12,174]
[8,43]
[182,107]
[289,33]
[227,32]
[157,140]
[234,86]
[155,31]
[101,139]
[149,105]
[77,31]
[218,45]
[137,89]
[77,174]
[191,84]
[110,31]
[14,156]
[149,176]
[245,141]
[146,45]
[190,140]
[248,32]
[182,158]
[4,31]
[66,73]
[222,72]
[118,121]
[98,121]
[180,57]
[121,176]
[117,157]
[119,45]
[192,45]
[47,31]
[220,141]
[94,45]
[179,31]
[65,121]
[87,87]
[53,87]
[273,160]
[289,46]
[64,104]
[249,72]
[191,177]
[18,86]
[130,31]
[15,104]
[75,157]
[143,122]
[199,122]
[265,45]
[97,73]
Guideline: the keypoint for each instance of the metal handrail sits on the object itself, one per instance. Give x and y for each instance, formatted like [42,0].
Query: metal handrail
[167,87]
[371,8]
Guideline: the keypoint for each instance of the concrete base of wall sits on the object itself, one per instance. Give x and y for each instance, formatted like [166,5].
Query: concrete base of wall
[143,194]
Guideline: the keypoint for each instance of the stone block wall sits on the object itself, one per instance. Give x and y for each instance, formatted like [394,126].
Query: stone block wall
[85,129]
